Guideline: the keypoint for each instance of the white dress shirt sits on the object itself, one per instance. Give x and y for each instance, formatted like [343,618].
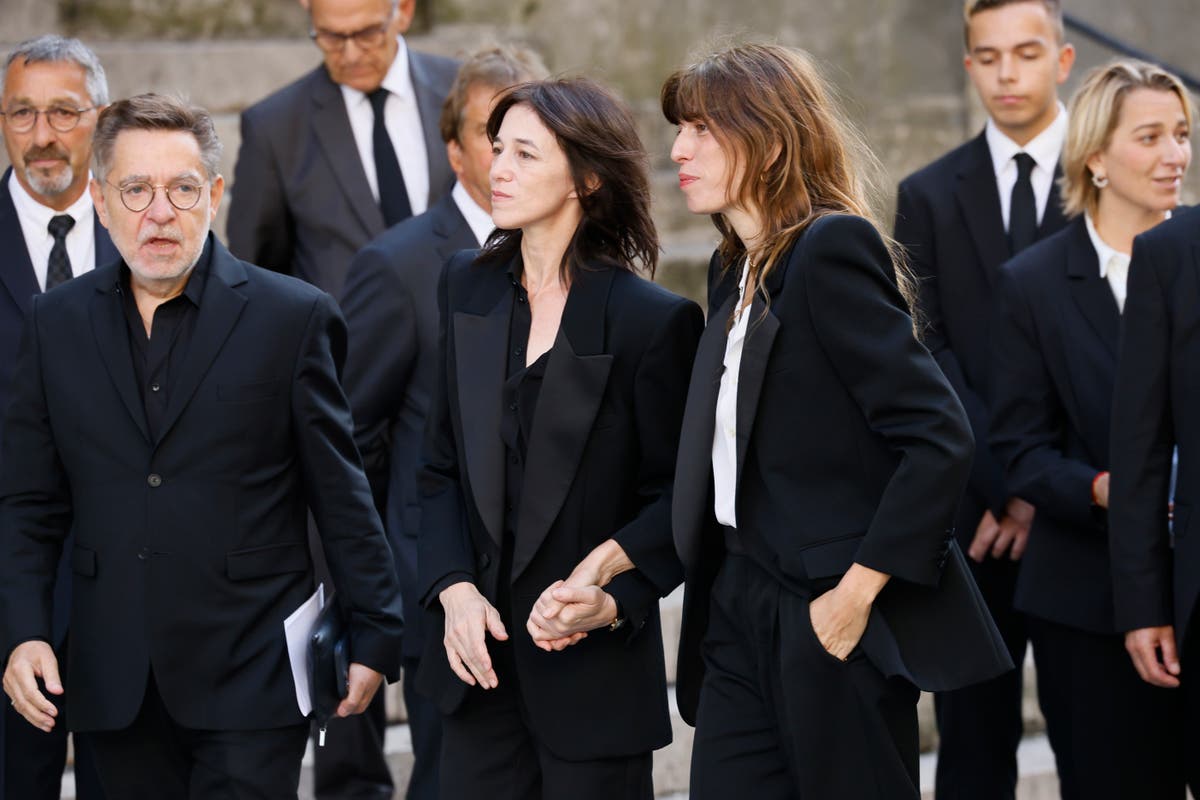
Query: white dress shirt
[724,450]
[1044,149]
[35,226]
[403,121]
[1114,265]
[477,219]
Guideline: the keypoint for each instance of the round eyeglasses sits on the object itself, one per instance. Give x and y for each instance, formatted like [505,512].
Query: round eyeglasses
[60,118]
[367,38]
[138,196]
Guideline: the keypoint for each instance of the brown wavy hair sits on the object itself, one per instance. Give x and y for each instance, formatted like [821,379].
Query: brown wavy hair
[774,116]
[609,170]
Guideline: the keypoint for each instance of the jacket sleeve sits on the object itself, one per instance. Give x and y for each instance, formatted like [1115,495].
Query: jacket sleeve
[1141,444]
[914,230]
[1028,417]
[339,496]
[260,228]
[862,324]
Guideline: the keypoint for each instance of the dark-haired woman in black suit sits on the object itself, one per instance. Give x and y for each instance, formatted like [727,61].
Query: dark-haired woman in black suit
[550,451]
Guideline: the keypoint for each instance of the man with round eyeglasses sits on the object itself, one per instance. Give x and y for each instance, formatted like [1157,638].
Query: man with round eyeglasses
[53,90]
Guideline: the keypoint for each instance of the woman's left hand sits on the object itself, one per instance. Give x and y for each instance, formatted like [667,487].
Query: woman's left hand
[839,616]
[564,614]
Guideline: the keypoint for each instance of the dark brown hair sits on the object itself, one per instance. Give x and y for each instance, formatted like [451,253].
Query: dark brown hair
[495,68]
[155,112]
[608,169]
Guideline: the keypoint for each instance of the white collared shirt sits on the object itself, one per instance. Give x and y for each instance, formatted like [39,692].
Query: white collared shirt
[403,121]
[724,449]
[35,227]
[477,219]
[1044,149]
[1114,265]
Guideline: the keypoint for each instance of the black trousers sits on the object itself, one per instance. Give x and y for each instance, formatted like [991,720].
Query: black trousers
[980,726]
[489,752]
[782,719]
[1114,735]
[155,758]
[425,728]
[1190,688]
[33,761]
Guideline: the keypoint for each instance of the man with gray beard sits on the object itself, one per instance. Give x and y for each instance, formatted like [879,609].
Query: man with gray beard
[53,91]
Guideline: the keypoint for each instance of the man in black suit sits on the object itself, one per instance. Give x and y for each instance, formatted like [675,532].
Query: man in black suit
[53,90]
[179,411]
[959,218]
[1156,563]
[390,303]
[319,174]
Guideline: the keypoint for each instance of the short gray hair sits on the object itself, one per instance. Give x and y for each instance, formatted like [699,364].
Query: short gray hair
[52,49]
[155,112]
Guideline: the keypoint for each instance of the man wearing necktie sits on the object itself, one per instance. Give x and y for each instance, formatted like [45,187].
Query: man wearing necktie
[53,90]
[959,219]
[326,164]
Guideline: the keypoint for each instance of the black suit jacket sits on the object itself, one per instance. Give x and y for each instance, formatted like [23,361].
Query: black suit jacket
[851,448]
[301,203]
[1154,410]
[948,219]
[191,549]
[390,303]
[1054,353]
[600,462]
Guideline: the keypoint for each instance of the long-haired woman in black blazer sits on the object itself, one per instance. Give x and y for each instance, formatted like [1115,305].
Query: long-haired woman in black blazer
[1054,363]
[822,457]
[550,450]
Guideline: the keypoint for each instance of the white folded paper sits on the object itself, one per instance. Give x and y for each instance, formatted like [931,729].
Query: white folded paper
[298,628]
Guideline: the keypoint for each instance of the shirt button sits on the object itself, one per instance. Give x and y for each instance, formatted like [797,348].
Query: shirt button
[154,480]
[154,387]
[512,406]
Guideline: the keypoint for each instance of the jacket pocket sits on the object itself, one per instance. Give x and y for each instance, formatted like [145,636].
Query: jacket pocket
[827,559]
[259,562]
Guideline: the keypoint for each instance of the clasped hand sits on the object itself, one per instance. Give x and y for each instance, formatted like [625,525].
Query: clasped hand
[568,609]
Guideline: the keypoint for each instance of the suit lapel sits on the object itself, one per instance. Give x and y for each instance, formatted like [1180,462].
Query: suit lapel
[1053,220]
[451,230]
[112,340]
[576,377]
[332,127]
[693,466]
[481,358]
[979,200]
[756,350]
[1090,292]
[429,108]
[16,268]
[220,307]
[106,251]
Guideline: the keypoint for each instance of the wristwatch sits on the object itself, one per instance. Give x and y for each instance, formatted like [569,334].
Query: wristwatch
[619,620]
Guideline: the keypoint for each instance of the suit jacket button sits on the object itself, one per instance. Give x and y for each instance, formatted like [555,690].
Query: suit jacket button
[155,480]
[485,561]
[144,553]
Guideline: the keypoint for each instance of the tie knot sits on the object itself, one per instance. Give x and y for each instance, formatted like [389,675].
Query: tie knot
[1025,165]
[60,225]
[378,98]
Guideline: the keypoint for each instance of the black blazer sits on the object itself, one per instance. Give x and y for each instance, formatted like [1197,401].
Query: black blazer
[948,219]
[851,447]
[390,303]
[190,550]
[600,463]
[301,203]
[1054,353]
[1154,409]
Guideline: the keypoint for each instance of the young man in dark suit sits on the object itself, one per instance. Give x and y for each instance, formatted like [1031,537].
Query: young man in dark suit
[390,303]
[959,218]
[179,411]
[53,90]
[1156,560]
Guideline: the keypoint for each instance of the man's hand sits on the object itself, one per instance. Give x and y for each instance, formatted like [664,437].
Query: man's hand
[469,617]
[1008,535]
[1100,490]
[564,614]
[361,683]
[1144,645]
[29,661]
[840,616]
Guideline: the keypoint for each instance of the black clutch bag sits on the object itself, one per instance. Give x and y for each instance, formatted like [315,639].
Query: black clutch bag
[328,663]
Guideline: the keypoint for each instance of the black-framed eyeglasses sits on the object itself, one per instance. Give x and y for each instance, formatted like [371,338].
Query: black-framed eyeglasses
[365,38]
[61,118]
[138,196]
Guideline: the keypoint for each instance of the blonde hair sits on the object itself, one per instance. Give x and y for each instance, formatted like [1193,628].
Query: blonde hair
[774,115]
[1094,112]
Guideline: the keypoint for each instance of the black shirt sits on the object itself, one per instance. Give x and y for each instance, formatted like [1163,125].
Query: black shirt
[158,358]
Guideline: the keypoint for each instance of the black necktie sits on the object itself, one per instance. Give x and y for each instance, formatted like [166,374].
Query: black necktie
[1022,213]
[393,195]
[58,270]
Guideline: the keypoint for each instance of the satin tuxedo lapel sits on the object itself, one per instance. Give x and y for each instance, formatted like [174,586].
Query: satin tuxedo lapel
[332,128]
[1090,292]
[16,269]
[481,355]
[979,201]
[576,376]
[112,340]
[756,350]
[220,307]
